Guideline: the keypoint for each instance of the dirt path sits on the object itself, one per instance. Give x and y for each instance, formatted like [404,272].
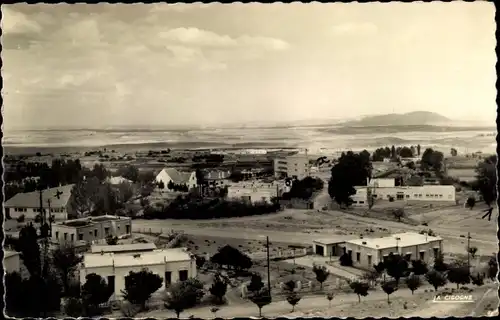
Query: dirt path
[281,308]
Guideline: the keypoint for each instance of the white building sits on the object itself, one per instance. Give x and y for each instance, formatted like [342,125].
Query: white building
[412,246]
[11,261]
[54,200]
[171,265]
[255,192]
[384,189]
[123,248]
[118,180]
[168,175]
[292,166]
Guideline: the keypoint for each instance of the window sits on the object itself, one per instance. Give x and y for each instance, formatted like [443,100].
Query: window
[408,256]
[436,252]
[95,233]
[422,255]
[65,236]
[358,256]
[57,234]
[369,259]
[111,283]
[440,195]
[72,237]
[106,231]
[127,228]
[90,234]
[415,195]
[183,275]
[168,278]
[407,196]
[80,236]
[361,202]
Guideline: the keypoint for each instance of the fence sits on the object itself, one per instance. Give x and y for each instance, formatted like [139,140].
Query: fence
[280,254]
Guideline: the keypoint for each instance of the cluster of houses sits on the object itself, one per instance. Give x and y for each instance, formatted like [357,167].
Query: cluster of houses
[365,252]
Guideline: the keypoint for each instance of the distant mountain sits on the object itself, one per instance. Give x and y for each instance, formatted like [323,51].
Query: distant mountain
[405,119]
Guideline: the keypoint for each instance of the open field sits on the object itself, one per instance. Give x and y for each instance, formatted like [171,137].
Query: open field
[465,174]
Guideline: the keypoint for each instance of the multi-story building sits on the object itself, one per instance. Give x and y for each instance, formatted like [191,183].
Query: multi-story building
[255,192]
[90,229]
[295,166]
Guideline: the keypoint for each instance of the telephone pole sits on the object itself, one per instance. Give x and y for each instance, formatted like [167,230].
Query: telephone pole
[468,251]
[268,267]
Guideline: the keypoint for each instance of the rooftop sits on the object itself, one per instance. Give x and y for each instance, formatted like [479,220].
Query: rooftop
[9,253]
[58,197]
[123,247]
[406,239]
[177,176]
[144,259]
[90,220]
[335,239]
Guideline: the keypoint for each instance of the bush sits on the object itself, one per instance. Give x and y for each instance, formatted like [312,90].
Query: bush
[21,218]
[345,260]
[74,307]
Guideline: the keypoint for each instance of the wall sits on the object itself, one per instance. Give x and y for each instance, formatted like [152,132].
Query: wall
[334,250]
[121,272]
[293,166]
[12,263]
[31,213]
[193,182]
[364,262]
[256,194]
[93,231]
[163,177]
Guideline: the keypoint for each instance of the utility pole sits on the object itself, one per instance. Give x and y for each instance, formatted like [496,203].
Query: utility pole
[268,267]
[50,218]
[468,251]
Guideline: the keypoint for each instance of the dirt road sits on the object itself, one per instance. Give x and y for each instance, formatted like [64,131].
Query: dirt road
[281,308]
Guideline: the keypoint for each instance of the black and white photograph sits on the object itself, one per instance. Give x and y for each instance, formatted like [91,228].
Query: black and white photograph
[250,160]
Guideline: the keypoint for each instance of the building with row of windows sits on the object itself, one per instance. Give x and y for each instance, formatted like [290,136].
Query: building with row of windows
[365,252]
[90,229]
[295,166]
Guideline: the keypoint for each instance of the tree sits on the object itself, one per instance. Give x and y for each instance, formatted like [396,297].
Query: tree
[418,150]
[30,250]
[393,152]
[406,152]
[351,170]
[293,299]
[453,152]
[111,240]
[183,295]
[471,202]
[95,291]
[218,288]
[231,257]
[419,267]
[459,275]
[170,185]
[13,292]
[140,285]
[161,185]
[487,179]
[256,283]
[321,274]
[432,160]
[99,171]
[436,279]
[439,264]
[200,261]
[413,282]
[396,266]
[65,261]
[477,279]
[200,177]
[398,213]
[261,299]
[329,297]
[129,172]
[290,286]
[472,251]
[389,287]
[74,307]
[492,268]
[371,276]
[360,288]
[125,191]
[84,195]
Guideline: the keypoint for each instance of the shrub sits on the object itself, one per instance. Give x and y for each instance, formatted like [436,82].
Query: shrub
[21,218]
[74,307]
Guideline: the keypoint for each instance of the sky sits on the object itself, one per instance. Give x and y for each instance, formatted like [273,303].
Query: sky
[104,65]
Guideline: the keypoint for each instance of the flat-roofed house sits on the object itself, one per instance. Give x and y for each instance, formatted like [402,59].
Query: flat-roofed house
[123,248]
[90,229]
[168,175]
[333,246]
[366,252]
[171,265]
[55,200]
[255,192]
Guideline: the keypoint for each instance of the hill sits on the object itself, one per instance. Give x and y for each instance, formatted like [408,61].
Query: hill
[405,119]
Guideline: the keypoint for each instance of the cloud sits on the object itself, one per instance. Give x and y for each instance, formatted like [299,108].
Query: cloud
[14,22]
[364,28]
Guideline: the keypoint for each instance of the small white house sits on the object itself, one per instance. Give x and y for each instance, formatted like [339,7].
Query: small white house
[168,175]
[171,265]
